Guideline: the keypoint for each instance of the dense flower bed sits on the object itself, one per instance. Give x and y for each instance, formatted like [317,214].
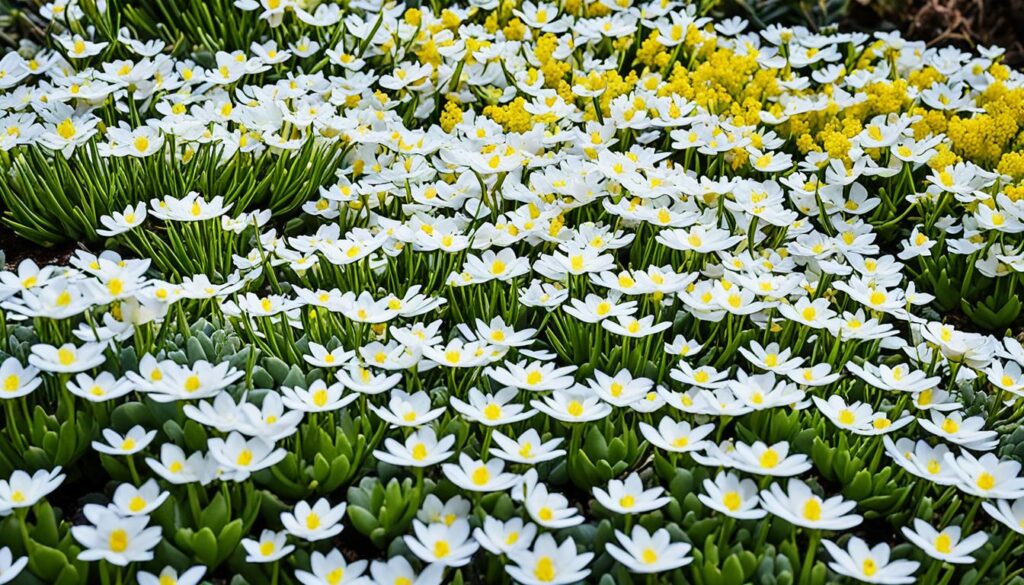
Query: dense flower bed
[606,292]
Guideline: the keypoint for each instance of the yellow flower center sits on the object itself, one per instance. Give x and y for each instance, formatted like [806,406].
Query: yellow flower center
[65,356]
[847,417]
[481,476]
[419,452]
[950,426]
[492,411]
[812,509]
[320,397]
[244,458]
[544,569]
[312,521]
[986,481]
[66,129]
[334,577]
[118,540]
[868,567]
[732,501]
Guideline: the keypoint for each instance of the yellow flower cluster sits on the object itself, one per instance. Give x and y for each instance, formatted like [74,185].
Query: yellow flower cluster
[450,116]
[983,137]
[552,69]
[512,116]
[1012,164]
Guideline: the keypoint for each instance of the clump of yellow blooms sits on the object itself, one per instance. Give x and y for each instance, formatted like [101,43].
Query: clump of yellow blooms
[943,157]
[1014,192]
[552,69]
[413,16]
[450,116]
[515,30]
[651,52]
[923,78]
[615,85]
[983,137]
[884,97]
[512,116]
[1012,164]
[725,78]
[450,20]
[932,122]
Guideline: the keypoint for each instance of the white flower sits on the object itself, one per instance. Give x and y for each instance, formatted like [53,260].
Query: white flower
[622,389]
[967,432]
[17,380]
[1011,514]
[492,409]
[643,552]
[549,563]
[676,437]
[22,490]
[421,449]
[244,456]
[114,539]
[332,569]
[67,358]
[501,538]
[800,506]
[946,544]
[135,501]
[761,459]
[528,448]
[408,410]
[549,509]
[869,565]
[119,222]
[169,576]
[572,407]
[398,570]
[135,440]
[536,376]
[446,544]
[479,476]
[732,496]
[629,496]
[271,546]
[10,567]
[987,476]
[316,522]
[319,397]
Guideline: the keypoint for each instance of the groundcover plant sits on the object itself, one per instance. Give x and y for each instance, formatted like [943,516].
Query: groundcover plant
[605,292]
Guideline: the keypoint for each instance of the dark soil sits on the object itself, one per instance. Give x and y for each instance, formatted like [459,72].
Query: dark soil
[16,249]
[967,24]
